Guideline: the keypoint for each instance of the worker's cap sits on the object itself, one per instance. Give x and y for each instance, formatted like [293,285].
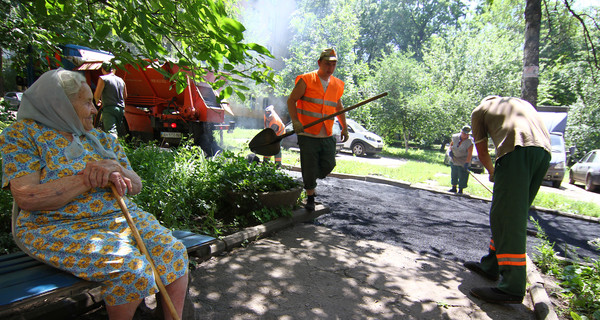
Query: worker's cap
[328,55]
[269,108]
[466,129]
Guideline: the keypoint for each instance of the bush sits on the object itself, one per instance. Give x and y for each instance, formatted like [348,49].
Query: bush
[184,190]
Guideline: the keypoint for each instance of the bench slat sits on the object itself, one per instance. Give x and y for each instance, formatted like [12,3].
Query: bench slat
[22,277]
[47,281]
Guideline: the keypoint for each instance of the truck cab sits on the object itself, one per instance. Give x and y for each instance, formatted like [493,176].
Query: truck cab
[556,171]
[555,119]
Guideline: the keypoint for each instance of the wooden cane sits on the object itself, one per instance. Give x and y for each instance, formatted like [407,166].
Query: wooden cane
[142,247]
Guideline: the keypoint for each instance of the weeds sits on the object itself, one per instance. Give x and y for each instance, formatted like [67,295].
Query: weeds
[579,281]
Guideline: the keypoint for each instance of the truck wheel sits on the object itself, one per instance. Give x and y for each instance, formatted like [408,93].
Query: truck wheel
[358,149]
[556,184]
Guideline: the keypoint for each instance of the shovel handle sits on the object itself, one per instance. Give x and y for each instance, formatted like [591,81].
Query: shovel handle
[337,113]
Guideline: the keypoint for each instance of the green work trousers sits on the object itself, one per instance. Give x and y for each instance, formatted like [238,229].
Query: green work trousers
[517,179]
[112,120]
[317,159]
[459,176]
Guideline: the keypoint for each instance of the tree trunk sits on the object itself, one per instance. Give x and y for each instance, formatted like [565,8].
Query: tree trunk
[405,139]
[1,74]
[531,51]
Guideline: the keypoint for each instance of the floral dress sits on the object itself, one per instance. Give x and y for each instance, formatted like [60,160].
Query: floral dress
[88,237]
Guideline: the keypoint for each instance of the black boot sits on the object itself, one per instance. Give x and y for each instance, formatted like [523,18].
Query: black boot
[310,203]
[453,189]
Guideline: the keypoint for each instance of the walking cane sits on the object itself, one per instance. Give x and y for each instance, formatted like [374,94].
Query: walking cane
[142,247]
[474,177]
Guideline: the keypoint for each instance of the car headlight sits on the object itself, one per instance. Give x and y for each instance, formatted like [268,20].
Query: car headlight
[370,138]
[560,165]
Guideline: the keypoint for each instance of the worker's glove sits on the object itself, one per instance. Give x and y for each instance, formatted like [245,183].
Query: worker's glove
[344,135]
[466,165]
[298,127]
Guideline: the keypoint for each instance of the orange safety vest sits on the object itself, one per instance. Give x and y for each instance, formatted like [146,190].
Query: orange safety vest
[316,104]
[275,123]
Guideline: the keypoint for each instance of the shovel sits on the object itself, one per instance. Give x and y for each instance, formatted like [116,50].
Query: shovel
[267,142]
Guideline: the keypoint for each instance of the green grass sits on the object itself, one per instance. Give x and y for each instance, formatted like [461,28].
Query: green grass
[424,167]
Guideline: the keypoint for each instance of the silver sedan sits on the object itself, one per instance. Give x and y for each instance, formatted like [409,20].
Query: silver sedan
[587,171]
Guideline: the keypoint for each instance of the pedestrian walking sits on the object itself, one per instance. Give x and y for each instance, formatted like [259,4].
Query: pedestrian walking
[523,155]
[316,95]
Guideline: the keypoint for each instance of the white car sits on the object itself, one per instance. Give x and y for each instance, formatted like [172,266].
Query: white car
[361,141]
[13,99]
[587,171]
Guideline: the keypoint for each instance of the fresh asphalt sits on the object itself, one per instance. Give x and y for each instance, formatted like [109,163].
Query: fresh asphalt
[445,225]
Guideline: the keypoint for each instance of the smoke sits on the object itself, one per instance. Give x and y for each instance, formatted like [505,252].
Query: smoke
[267,23]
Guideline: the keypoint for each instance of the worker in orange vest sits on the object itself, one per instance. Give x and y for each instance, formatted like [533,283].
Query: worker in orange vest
[316,95]
[273,121]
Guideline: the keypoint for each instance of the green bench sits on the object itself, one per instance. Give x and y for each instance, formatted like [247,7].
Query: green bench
[27,284]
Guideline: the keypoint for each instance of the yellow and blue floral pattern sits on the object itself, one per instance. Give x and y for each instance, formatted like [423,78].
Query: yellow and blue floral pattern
[88,237]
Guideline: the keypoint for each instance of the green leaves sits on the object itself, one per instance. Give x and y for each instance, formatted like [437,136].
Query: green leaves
[197,34]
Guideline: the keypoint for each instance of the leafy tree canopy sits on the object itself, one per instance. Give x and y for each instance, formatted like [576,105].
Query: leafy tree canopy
[199,35]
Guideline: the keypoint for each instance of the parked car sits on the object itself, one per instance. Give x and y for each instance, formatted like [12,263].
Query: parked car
[556,171]
[361,141]
[475,164]
[292,140]
[14,99]
[587,171]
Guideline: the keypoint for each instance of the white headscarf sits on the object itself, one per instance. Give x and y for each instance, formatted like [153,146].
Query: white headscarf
[46,102]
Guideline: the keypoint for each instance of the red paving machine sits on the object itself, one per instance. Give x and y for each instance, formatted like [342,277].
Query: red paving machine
[155,111]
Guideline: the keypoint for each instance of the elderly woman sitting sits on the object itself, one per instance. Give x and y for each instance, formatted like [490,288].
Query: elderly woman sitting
[58,168]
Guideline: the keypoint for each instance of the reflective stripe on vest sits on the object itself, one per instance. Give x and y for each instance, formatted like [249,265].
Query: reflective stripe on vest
[316,104]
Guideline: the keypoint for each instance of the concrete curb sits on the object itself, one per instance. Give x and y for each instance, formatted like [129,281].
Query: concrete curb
[542,306]
[252,233]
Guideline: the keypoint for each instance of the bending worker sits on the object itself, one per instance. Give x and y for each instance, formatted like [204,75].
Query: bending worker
[110,94]
[316,95]
[273,121]
[461,151]
[523,155]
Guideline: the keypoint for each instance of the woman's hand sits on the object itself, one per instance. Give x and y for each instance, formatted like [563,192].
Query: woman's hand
[97,174]
[122,183]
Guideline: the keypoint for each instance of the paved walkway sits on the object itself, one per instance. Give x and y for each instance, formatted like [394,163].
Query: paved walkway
[312,272]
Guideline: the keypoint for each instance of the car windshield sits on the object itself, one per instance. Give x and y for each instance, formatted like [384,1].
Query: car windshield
[357,127]
[557,143]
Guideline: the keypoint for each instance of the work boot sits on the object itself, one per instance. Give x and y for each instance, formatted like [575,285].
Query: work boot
[453,189]
[495,295]
[310,203]
[476,267]
[460,191]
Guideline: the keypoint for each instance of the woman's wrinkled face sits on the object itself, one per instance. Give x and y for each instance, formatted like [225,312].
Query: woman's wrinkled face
[84,107]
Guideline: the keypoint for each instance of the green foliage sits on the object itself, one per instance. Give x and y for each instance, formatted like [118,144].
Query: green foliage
[580,282]
[198,34]
[403,25]
[186,191]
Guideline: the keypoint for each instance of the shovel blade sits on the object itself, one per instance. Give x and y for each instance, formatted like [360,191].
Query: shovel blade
[265,143]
